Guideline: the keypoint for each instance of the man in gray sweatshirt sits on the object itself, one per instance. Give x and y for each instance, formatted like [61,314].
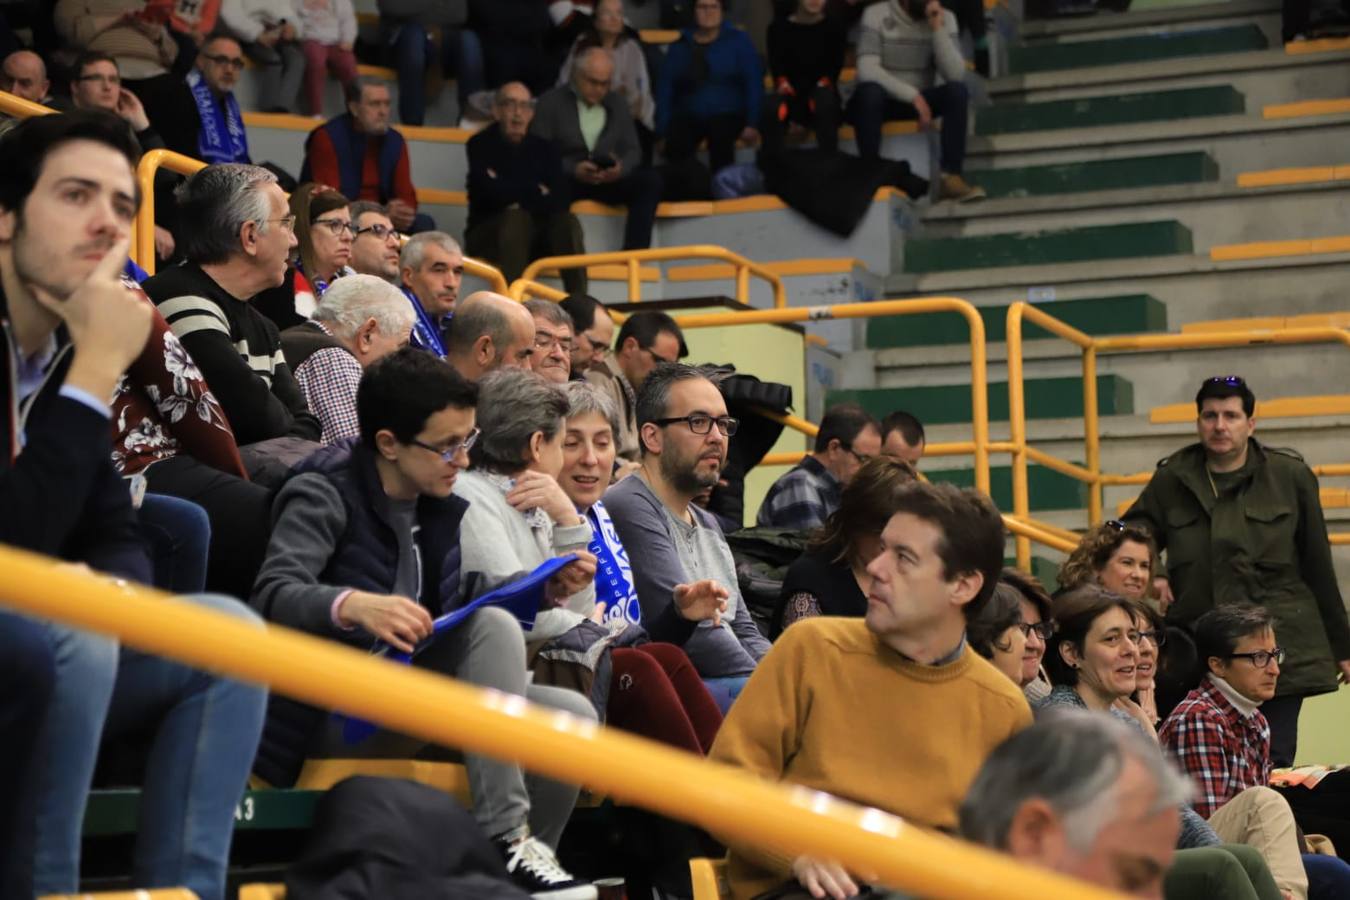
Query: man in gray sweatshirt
[904,45]
[684,431]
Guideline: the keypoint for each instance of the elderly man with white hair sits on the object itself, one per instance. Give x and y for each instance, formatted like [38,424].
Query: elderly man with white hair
[360,320]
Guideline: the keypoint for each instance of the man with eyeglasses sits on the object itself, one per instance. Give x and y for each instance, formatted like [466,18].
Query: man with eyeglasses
[518,200]
[1220,738]
[685,432]
[1239,519]
[363,157]
[805,496]
[593,332]
[375,241]
[366,549]
[646,339]
[552,357]
[199,116]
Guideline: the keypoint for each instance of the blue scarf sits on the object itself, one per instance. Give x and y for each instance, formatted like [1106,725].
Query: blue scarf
[614,585]
[220,139]
[426,334]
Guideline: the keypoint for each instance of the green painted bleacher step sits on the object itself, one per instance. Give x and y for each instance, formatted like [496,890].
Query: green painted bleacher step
[1128,241]
[1120,109]
[1048,489]
[114,812]
[1129,314]
[947,404]
[1042,57]
[1097,175]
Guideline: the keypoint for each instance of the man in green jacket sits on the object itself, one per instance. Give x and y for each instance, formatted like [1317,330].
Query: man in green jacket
[1241,521]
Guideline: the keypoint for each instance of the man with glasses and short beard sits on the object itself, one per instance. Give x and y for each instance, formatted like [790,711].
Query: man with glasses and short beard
[685,431]
[200,117]
[1237,518]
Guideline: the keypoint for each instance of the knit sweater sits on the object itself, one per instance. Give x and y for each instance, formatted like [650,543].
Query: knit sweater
[239,352]
[902,55]
[328,21]
[834,709]
[501,544]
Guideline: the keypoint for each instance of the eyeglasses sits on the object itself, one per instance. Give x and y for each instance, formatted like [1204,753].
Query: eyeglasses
[232,62]
[659,359]
[1230,380]
[701,423]
[862,458]
[286,222]
[335,226]
[448,454]
[1158,637]
[593,341]
[1042,630]
[521,105]
[1261,658]
[380,230]
[543,341]
[113,80]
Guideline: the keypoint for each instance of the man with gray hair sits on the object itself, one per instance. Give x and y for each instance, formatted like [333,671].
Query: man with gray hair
[518,193]
[553,336]
[1090,796]
[489,332]
[593,130]
[361,319]
[238,247]
[432,268]
[360,155]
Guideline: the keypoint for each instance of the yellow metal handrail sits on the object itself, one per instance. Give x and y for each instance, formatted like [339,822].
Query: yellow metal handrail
[19,108]
[488,272]
[682,785]
[143,244]
[1090,472]
[633,259]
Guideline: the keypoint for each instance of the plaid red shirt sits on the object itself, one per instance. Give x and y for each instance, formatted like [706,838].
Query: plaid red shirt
[1224,751]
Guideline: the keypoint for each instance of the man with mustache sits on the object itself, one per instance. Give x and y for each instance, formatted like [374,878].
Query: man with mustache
[684,432]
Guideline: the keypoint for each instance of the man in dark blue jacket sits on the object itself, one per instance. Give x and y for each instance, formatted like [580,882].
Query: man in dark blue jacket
[518,194]
[365,548]
[71,329]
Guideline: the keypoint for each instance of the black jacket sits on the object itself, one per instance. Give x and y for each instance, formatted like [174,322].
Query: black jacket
[59,491]
[503,174]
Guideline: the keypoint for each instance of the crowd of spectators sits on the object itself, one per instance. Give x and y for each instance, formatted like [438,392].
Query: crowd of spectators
[303,422]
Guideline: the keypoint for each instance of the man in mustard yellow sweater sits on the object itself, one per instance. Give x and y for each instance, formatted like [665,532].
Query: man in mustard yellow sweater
[894,710]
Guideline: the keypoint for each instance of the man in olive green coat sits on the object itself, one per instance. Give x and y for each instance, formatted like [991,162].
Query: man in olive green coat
[1241,521]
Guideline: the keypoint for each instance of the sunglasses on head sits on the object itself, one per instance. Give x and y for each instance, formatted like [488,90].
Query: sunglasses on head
[1230,380]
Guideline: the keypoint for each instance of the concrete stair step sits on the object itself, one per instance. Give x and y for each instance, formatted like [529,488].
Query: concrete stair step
[1046,398]
[1096,175]
[1131,241]
[1116,109]
[1156,18]
[1041,57]
[1129,314]
[1048,489]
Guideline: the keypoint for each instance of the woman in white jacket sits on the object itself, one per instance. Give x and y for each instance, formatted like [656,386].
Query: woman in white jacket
[270,33]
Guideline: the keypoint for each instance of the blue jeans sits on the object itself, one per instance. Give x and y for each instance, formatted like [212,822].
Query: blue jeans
[725,690]
[205,736]
[27,679]
[872,106]
[179,535]
[461,53]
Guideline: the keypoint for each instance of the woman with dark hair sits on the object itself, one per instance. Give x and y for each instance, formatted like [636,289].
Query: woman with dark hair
[1117,556]
[323,234]
[1038,625]
[997,633]
[830,578]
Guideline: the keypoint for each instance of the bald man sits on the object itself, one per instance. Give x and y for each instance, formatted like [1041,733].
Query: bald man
[489,332]
[593,130]
[24,74]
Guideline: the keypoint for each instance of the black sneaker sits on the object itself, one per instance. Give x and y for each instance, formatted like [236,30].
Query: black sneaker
[534,868]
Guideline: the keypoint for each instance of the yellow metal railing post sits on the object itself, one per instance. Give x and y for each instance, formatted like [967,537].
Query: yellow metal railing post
[979,396]
[489,273]
[143,245]
[413,701]
[1017,427]
[1092,434]
[743,284]
[634,280]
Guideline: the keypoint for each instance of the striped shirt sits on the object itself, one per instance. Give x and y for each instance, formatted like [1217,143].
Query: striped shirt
[904,55]
[239,352]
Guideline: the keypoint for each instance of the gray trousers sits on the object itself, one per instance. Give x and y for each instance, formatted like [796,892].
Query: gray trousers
[487,650]
[280,71]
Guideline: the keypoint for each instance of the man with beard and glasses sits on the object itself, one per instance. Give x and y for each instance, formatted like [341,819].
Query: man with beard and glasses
[684,432]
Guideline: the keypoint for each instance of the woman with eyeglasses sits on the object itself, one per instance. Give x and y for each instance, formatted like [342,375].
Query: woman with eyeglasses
[1037,625]
[1092,660]
[998,633]
[323,233]
[830,578]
